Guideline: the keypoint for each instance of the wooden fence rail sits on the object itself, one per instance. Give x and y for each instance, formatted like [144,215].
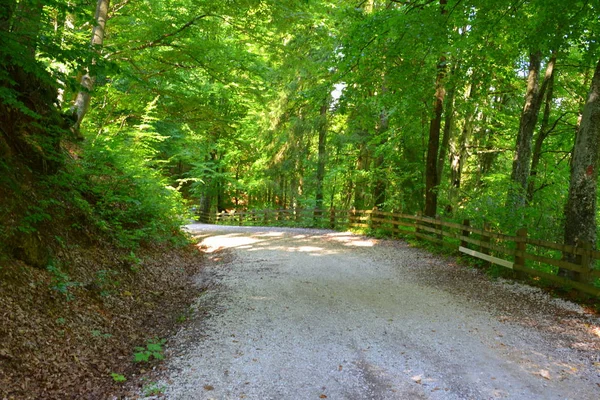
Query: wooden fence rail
[527,256]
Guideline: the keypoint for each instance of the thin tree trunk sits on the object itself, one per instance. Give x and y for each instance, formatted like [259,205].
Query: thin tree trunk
[447,133]
[542,135]
[362,165]
[580,210]
[380,181]
[522,159]
[321,158]
[431,175]
[459,149]
[82,101]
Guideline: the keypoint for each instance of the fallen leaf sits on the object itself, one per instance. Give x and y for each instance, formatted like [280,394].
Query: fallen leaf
[322,396]
[209,387]
[340,368]
[544,374]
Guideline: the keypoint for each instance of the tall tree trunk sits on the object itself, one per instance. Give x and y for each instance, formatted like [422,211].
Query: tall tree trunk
[284,191]
[321,157]
[542,134]
[458,148]
[220,191]
[82,101]
[204,205]
[360,183]
[447,133]
[380,180]
[522,159]
[431,175]
[580,210]
[433,146]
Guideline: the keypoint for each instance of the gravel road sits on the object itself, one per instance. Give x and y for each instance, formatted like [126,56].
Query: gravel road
[315,314]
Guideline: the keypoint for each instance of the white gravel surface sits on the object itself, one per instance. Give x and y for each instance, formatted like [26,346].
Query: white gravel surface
[313,314]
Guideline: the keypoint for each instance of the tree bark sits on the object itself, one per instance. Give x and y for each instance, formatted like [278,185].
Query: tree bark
[380,181]
[542,135]
[321,158]
[580,210]
[522,159]
[360,183]
[82,101]
[447,133]
[431,175]
[459,148]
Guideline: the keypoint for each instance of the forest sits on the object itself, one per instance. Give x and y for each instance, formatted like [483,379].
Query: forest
[140,110]
[120,119]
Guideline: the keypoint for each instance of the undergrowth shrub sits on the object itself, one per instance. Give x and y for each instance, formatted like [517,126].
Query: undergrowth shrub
[130,197]
[115,189]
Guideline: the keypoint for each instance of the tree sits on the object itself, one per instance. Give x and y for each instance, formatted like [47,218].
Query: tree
[533,101]
[82,101]
[431,174]
[581,207]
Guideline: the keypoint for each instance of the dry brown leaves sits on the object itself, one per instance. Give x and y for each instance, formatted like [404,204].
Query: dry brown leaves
[52,348]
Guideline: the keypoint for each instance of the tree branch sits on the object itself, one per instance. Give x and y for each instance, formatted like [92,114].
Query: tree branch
[170,34]
[159,41]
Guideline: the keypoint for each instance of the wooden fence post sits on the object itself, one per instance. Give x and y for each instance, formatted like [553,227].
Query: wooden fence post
[395,226]
[241,220]
[586,263]
[465,233]
[486,239]
[439,226]
[520,247]
[417,222]
[372,224]
[332,218]
[266,217]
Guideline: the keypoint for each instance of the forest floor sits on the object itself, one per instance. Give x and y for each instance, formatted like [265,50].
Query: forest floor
[311,314]
[64,334]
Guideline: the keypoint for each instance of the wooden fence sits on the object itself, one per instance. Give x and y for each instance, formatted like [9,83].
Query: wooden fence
[527,256]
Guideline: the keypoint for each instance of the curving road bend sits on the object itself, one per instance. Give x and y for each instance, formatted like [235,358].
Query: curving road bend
[315,314]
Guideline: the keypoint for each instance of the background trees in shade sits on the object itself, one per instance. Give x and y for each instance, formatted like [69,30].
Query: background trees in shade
[454,108]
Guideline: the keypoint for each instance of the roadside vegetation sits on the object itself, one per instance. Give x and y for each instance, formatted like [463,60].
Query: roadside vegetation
[117,118]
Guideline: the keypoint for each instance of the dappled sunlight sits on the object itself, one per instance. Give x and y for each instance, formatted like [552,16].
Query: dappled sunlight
[348,239]
[312,250]
[304,249]
[215,243]
[269,234]
[261,298]
[275,241]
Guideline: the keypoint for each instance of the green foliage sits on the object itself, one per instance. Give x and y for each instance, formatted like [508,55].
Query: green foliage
[153,389]
[152,350]
[118,377]
[133,261]
[34,216]
[130,198]
[223,109]
[97,333]
[106,280]
[61,282]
